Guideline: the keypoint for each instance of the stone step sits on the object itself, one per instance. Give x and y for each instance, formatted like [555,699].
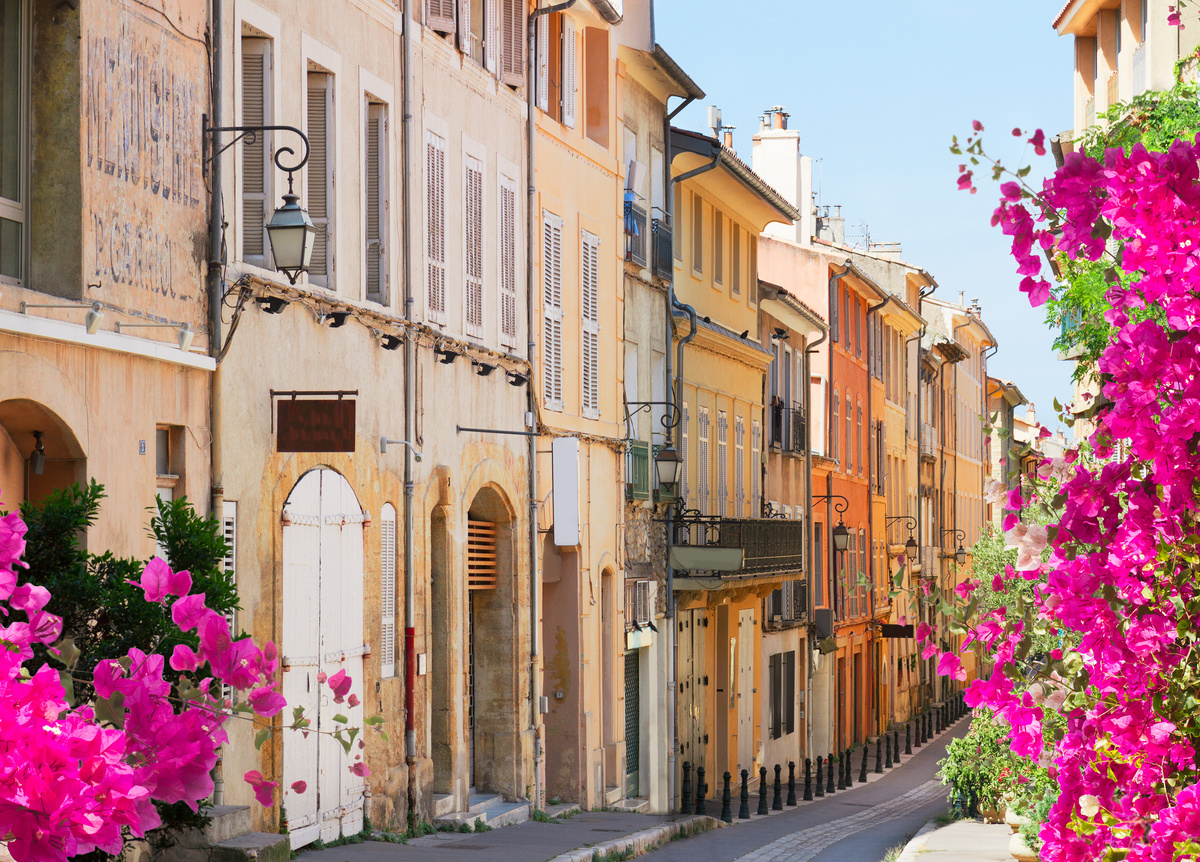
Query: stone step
[493,811]
[632,805]
[253,847]
[477,803]
[227,821]
[613,795]
[443,804]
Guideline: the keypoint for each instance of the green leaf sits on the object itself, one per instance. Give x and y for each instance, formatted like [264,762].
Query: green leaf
[341,719]
[373,720]
[111,710]
[262,736]
[1024,172]
[68,653]
[68,684]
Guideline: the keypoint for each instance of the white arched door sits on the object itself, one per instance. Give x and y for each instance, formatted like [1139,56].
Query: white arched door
[322,632]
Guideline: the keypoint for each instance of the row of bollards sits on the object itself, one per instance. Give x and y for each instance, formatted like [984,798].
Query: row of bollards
[887,756]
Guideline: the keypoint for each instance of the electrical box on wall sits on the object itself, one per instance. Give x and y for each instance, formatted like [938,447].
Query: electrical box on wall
[565,479]
[421,659]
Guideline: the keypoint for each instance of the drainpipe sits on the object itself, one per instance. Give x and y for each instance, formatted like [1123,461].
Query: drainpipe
[215,288]
[809,350]
[917,432]
[535,721]
[871,309]
[410,419]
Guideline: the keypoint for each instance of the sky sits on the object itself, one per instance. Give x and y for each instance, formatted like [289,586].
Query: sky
[877,89]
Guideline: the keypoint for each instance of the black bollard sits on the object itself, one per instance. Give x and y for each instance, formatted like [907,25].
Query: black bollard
[685,801]
[937,715]
[862,773]
[726,807]
[808,791]
[820,776]
[924,724]
[791,800]
[887,751]
[762,790]
[830,787]
[878,754]
[701,790]
[908,738]
[896,746]
[777,801]
[841,779]
[744,808]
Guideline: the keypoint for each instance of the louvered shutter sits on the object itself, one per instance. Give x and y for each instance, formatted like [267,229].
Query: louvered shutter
[776,693]
[739,465]
[722,463]
[492,39]
[568,73]
[512,43]
[683,454]
[482,571]
[439,15]
[376,204]
[256,150]
[473,244]
[435,226]
[543,62]
[508,262]
[387,590]
[789,692]
[590,335]
[755,468]
[319,175]
[702,458]
[465,41]
[552,310]
[229,564]
[642,602]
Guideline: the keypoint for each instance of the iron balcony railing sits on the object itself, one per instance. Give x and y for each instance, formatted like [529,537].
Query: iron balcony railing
[769,545]
[637,471]
[635,233]
[799,430]
[664,262]
[789,428]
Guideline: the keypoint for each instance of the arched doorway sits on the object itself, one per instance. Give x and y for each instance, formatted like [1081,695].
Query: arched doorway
[322,633]
[492,650]
[39,453]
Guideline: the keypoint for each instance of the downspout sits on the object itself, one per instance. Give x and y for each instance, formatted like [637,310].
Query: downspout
[835,282]
[809,350]
[410,416]
[535,683]
[917,433]
[215,289]
[871,309]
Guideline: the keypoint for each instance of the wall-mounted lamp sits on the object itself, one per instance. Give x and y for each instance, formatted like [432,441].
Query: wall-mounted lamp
[910,546]
[960,555]
[337,319]
[666,465]
[37,458]
[515,378]
[841,537]
[444,355]
[184,336]
[390,342]
[271,304]
[91,322]
[483,369]
[384,442]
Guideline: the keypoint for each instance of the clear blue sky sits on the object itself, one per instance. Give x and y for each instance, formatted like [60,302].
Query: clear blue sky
[876,90]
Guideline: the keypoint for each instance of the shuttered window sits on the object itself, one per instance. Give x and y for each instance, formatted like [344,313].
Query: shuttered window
[718,247]
[702,460]
[739,464]
[552,314]
[481,555]
[473,244]
[320,176]
[775,663]
[435,225]
[439,15]
[835,430]
[755,468]
[508,262]
[376,227]
[512,42]
[859,439]
[543,63]
[736,272]
[256,150]
[849,434]
[569,73]
[229,564]
[697,233]
[589,266]
[722,463]
[683,454]
[752,281]
[387,590]
[788,672]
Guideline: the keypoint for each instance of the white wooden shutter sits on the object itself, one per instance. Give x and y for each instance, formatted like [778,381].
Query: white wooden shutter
[702,460]
[739,464]
[320,177]
[465,43]
[256,150]
[493,46]
[543,62]
[508,262]
[387,591]
[568,72]
[376,203]
[641,603]
[589,266]
[435,226]
[683,454]
[512,43]
[755,468]
[473,244]
[722,462]
[229,564]
[552,310]
[439,15]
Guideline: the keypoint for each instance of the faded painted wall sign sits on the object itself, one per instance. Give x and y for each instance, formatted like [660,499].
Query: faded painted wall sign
[315,425]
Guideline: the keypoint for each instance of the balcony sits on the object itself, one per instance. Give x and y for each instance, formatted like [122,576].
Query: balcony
[788,606]
[635,234]
[664,262]
[769,546]
[929,440]
[789,428]
[1139,70]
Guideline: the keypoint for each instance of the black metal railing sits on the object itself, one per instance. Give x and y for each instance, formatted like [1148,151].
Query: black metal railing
[664,262]
[635,233]
[799,430]
[769,545]
[789,428]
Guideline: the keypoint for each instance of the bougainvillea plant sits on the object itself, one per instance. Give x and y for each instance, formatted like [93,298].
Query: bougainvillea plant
[76,779]
[1123,573]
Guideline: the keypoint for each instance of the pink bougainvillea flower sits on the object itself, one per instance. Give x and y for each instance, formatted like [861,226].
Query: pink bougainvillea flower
[29,598]
[1039,142]
[189,611]
[184,659]
[976,125]
[340,683]
[950,665]
[266,702]
[155,579]
[360,769]
[352,700]
[263,789]
[299,786]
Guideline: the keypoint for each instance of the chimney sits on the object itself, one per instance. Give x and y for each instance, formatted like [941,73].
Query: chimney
[778,160]
[727,139]
[779,118]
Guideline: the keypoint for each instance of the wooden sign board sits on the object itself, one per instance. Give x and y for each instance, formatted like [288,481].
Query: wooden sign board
[307,425]
[891,631]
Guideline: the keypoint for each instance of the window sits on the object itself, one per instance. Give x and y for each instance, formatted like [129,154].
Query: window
[256,150]
[387,591]
[752,244]
[320,175]
[859,439]
[479,23]
[435,225]
[552,311]
[683,453]
[739,464]
[595,91]
[677,218]
[702,458]
[229,564]
[473,245]
[833,437]
[512,42]
[849,434]
[14,85]
[782,679]
[834,329]
[722,463]
[376,228]
[846,315]
[755,468]
[697,233]
[168,467]
[439,15]
[858,332]
[589,267]
[508,262]
[735,274]
[818,565]
[718,247]
[556,83]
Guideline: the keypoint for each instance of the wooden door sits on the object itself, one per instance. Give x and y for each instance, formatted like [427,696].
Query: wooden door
[745,690]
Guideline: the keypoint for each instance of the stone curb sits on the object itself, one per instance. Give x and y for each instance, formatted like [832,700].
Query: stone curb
[641,842]
[914,847]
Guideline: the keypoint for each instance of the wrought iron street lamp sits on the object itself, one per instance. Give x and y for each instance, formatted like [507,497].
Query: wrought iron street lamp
[666,464]
[960,555]
[290,231]
[910,547]
[841,534]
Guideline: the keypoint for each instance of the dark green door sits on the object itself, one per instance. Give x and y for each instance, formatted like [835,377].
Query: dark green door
[633,722]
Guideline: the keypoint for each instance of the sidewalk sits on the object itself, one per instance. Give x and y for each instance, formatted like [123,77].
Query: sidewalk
[961,841]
